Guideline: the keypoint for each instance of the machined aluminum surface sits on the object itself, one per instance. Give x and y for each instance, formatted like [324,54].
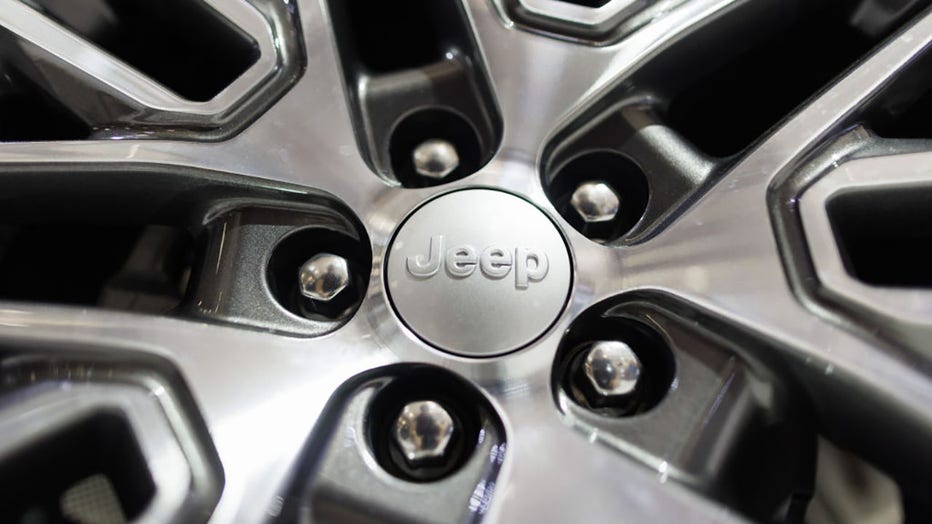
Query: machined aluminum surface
[720,256]
[106,91]
[591,23]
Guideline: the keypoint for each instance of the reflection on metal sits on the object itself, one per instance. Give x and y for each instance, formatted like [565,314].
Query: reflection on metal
[323,277]
[609,21]
[595,202]
[435,158]
[612,368]
[718,256]
[422,431]
[121,102]
[47,397]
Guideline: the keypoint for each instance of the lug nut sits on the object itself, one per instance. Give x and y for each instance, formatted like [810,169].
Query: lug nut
[435,159]
[611,371]
[323,277]
[595,202]
[423,431]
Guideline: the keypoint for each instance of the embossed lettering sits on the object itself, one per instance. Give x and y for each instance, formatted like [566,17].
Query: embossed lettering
[426,267]
[495,262]
[531,265]
[461,261]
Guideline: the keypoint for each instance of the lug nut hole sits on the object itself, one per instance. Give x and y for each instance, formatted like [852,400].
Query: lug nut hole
[432,147]
[319,274]
[422,427]
[602,194]
[616,367]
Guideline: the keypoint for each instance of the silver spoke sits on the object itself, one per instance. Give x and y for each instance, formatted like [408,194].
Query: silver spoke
[723,254]
[259,405]
[76,71]
[377,241]
[565,77]
[548,461]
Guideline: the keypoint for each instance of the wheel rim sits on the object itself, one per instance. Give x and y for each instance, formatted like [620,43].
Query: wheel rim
[733,254]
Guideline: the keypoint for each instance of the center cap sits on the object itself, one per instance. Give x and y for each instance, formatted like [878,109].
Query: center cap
[478,272]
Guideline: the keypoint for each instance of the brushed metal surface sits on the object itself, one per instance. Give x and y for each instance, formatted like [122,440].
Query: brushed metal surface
[478,272]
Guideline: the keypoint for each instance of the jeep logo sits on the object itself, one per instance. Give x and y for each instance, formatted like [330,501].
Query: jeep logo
[495,262]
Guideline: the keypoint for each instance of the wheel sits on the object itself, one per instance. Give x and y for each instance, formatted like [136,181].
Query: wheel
[477,260]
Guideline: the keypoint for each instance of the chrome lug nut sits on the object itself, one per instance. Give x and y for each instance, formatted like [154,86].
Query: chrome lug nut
[613,371]
[595,202]
[423,431]
[323,277]
[435,159]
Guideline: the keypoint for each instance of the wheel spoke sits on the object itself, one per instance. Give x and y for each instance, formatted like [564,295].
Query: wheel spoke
[547,461]
[723,256]
[564,76]
[259,404]
[76,71]
[365,227]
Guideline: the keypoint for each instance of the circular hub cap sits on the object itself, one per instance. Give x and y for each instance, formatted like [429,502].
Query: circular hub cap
[478,272]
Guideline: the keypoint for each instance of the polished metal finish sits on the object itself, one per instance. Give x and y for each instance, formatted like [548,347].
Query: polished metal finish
[595,202]
[255,386]
[109,93]
[612,368]
[909,171]
[588,20]
[478,272]
[423,431]
[323,277]
[345,465]
[435,159]
[611,20]
[56,403]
